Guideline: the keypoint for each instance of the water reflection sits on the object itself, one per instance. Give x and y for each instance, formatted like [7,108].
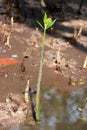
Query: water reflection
[60,111]
[59,108]
[72,110]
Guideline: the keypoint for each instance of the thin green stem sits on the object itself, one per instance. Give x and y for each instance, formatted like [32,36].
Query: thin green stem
[43,43]
[47,24]
[40,78]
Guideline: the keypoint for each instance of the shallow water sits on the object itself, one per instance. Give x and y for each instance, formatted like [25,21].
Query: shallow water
[60,111]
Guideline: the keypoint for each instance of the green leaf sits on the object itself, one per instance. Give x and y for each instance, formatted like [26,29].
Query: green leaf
[49,20]
[51,24]
[40,24]
[45,18]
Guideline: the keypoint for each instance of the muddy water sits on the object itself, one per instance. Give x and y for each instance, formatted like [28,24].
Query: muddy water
[61,111]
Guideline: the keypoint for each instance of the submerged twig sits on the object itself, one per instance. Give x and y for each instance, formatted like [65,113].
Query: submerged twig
[22,65]
[26,55]
[32,104]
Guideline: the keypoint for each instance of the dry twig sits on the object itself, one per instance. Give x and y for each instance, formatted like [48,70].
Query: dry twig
[77,33]
[7,43]
[26,98]
[85,63]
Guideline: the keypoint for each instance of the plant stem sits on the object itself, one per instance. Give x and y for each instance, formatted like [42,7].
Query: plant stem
[40,78]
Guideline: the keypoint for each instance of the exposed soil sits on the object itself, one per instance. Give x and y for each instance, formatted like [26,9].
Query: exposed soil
[64,53]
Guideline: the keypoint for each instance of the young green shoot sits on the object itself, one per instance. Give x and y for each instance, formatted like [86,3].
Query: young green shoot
[47,23]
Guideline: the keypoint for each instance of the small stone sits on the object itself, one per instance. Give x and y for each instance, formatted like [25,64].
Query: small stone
[6,75]
[14,56]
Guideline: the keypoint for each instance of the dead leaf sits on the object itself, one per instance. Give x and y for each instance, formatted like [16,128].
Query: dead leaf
[1,71]
[7,61]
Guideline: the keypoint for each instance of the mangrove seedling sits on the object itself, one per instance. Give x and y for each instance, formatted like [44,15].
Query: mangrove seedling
[47,23]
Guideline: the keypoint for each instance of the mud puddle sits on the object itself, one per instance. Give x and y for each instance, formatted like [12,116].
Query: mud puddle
[60,111]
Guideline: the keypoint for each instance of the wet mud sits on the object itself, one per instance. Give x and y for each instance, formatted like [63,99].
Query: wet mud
[65,51]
